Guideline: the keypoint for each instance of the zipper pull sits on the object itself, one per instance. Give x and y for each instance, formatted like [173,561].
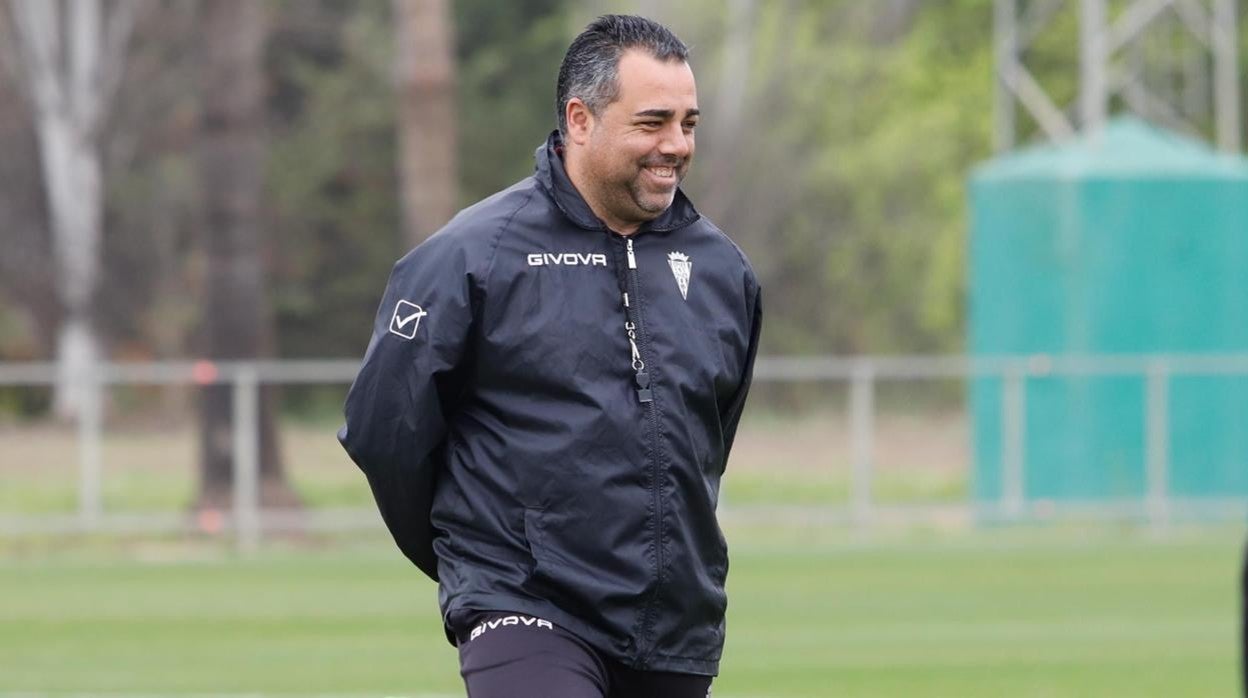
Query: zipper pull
[632,261]
[643,387]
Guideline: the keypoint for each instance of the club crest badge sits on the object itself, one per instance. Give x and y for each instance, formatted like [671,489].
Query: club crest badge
[681,269]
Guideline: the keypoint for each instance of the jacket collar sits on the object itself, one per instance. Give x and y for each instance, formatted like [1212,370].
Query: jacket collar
[554,178]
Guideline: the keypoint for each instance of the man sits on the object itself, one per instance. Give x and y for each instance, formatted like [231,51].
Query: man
[1243,631]
[552,389]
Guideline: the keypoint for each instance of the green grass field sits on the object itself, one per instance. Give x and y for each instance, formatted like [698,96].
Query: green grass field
[1019,613]
[1015,612]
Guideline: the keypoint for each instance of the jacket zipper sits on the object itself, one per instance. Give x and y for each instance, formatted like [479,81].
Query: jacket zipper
[645,396]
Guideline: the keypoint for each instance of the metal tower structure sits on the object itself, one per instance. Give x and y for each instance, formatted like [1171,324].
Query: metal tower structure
[1172,62]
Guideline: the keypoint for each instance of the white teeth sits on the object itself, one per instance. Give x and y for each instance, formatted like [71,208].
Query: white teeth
[662,171]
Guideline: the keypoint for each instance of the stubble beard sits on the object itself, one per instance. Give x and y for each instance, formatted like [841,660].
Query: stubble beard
[649,203]
[626,197]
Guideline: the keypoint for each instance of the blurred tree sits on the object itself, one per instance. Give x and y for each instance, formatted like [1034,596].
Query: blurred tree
[237,323]
[144,305]
[425,78]
[334,172]
[835,145]
[727,104]
[509,55]
[72,57]
[28,296]
[920,118]
[150,291]
[859,124]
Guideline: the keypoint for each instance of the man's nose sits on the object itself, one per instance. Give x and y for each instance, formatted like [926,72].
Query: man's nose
[676,142]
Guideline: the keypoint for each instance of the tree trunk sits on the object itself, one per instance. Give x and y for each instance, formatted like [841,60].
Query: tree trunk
[725,137]
[71,58]
[71,164]
[425,77]
[237,322]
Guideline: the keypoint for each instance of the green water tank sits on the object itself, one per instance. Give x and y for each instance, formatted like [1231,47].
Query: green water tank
[1132,242]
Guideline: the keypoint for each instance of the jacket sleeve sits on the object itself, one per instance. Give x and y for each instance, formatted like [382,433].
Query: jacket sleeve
[731,416]
[399,406]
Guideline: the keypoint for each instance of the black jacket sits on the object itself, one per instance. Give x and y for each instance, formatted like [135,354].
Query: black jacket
[522,455]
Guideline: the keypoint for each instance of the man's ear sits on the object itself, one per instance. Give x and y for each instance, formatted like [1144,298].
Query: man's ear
[580,121]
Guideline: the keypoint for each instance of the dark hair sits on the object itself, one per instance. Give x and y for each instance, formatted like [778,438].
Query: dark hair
[590,67]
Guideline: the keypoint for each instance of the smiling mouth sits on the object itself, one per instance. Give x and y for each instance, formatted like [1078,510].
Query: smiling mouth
[662,172]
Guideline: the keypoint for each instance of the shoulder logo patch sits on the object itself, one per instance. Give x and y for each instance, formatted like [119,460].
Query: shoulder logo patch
[682,268]
[406,319]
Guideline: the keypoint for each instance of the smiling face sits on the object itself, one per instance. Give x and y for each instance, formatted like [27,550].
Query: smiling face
[628,160]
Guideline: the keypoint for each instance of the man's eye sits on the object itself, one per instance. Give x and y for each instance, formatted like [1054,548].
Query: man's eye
[690,125]
[651,124]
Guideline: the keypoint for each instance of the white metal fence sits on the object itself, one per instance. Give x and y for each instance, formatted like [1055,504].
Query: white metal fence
[861,374]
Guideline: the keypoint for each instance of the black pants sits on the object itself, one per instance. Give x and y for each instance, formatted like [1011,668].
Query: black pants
[513,655]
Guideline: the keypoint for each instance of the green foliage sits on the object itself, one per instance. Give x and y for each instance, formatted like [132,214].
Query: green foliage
[859,146]
[853,208]
[509,55]
[922,119]
[331,176]
[843,178]
[845,182]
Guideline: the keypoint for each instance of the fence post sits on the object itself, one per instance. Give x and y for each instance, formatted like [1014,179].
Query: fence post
[246,458]
[1157,442]
[1013,438]
[862,435]
[90,465]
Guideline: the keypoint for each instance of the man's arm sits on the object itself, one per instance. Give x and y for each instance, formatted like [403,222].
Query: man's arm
[398,408]
[732,414]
